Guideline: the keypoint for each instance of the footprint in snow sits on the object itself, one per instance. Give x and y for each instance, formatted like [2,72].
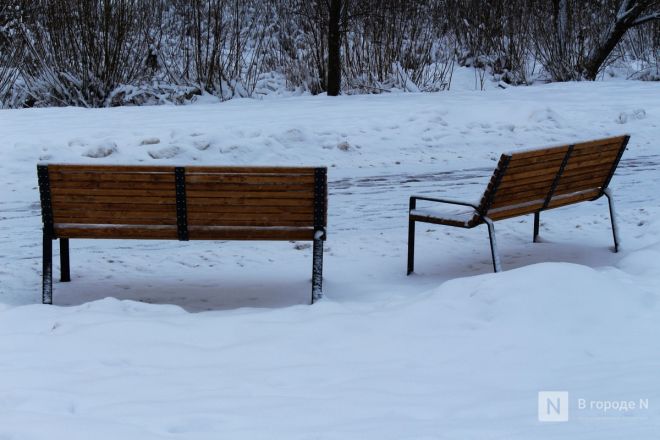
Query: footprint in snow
[150,141]
[637,114]
[105,149]
[165,153]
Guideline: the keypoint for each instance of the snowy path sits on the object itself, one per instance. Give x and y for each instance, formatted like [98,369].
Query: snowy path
[452,352]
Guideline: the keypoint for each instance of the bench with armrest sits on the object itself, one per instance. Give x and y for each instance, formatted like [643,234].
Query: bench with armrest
[181,203]
[529,182]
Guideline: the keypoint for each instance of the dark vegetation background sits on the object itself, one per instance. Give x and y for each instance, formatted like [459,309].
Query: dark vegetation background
[132,52]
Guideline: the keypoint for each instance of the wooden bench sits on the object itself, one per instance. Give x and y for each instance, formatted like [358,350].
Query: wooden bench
[528,182]
[181,203]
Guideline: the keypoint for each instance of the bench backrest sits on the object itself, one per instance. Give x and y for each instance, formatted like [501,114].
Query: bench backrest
[196,203]
[530,181]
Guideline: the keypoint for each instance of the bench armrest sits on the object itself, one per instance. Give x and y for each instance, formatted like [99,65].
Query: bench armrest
[413,202]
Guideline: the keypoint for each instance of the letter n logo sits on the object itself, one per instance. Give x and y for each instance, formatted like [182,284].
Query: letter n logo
[553,406]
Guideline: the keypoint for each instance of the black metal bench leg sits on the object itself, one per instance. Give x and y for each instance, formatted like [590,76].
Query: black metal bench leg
[65,271]
[411,247]
[47,271]
[537,220]
[615,229]
[317,267]
[493,245]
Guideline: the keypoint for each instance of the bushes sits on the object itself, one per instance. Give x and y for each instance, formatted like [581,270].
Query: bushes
[119,52]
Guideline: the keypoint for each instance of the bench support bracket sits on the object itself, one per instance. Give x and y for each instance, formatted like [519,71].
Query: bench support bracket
[537,221]
[65,271]
[317,266]
[615,230]
[411,238]
[497,266]
[47,270]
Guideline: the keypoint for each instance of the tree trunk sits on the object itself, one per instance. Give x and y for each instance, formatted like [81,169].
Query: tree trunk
[334,48]
[599,54]
[627,17]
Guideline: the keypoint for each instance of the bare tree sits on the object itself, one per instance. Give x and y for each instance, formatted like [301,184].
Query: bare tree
[630,13]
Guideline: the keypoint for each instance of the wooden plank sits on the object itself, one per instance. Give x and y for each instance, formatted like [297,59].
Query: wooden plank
[112,177]
[244,201]
[126,220]
[219,186]
[538,152]
[136,212]
[615,140]
[522,160]
[104,184]
[514,211]
[193,216]
[247,233]
[522,174]
[507,199]
[192,170]
[277,222]
[110,199]
[591,150]
[249,209]
[586,175]
[91,207]
[540,164]
[58,191]
[605,163]
[580,186]
[249,179]
[299,195]
[116,231]
[509,183]
[86,168]
[576,198]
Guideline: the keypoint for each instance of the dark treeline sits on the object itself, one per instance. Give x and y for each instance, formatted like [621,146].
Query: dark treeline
[117,52]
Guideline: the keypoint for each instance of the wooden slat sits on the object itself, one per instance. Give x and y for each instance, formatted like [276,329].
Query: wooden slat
[517,162]
[125,220]
[579,197]
[521,174]
[544,152]
[113,231]
[92,192]
[106,184]
[275,222]
[249,209]
[136,211]
[248,201]
[508,199]
[111,199]
[192,170]
[91,207]
[536,165]
[515,211]
[247,233]
[605,162]
[194,216]
[298,195]
[111,177]
[221,186]
[249,179]
[85,168]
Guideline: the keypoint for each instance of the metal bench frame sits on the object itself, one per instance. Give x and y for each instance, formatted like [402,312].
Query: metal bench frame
[481,210]
[50,233]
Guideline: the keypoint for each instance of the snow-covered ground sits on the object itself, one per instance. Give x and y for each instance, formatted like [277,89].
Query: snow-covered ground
[215,339]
